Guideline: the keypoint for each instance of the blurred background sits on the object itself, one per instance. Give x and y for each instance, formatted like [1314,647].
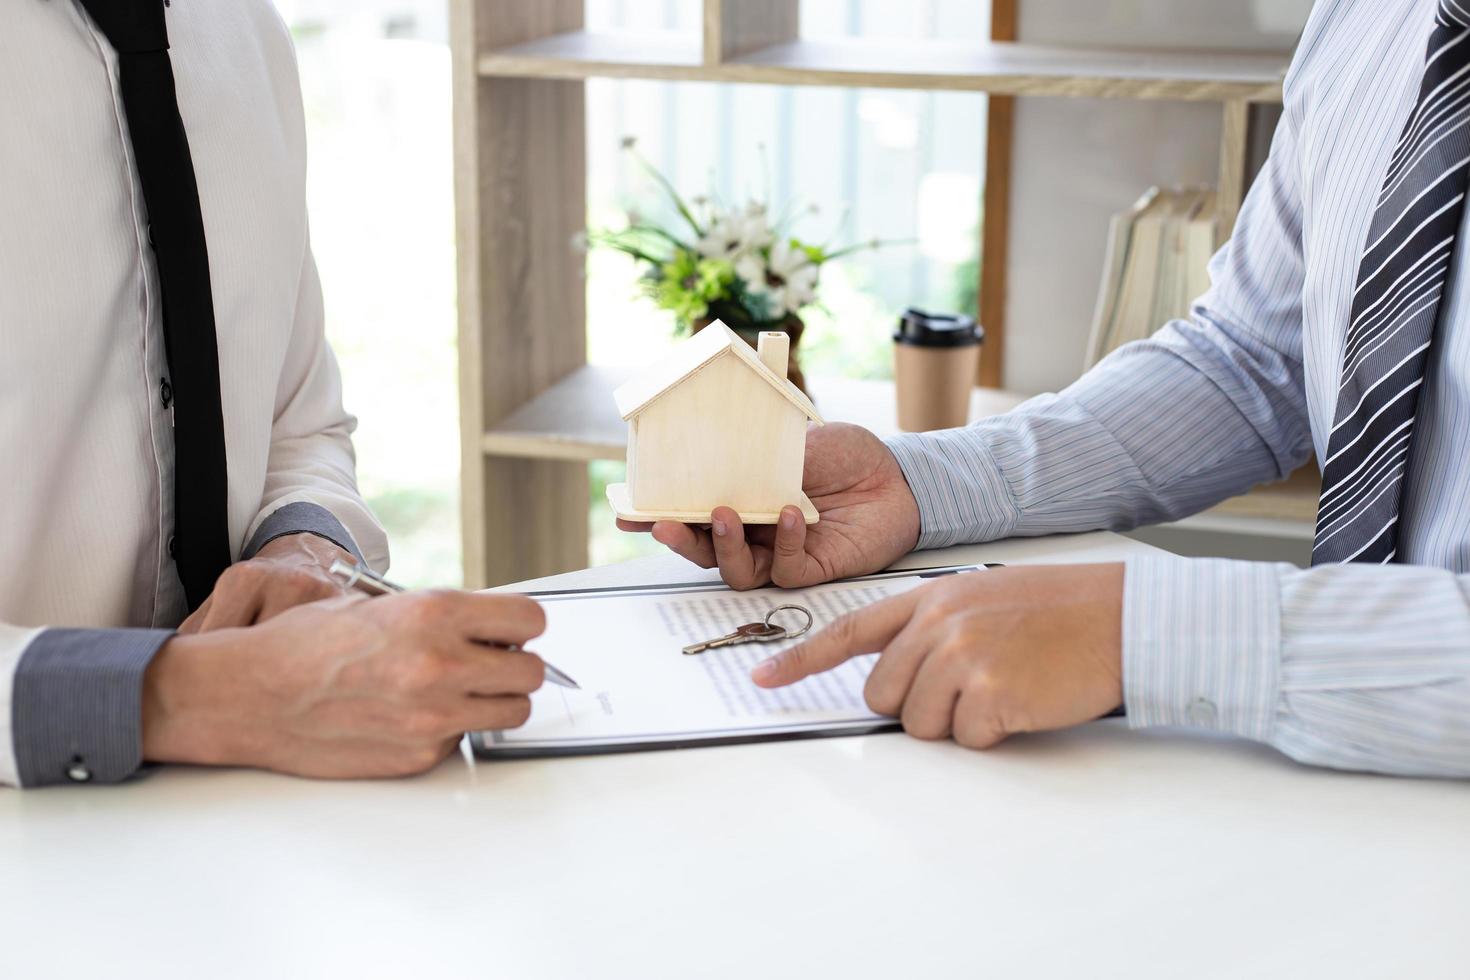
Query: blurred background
[866,164]
[858,164]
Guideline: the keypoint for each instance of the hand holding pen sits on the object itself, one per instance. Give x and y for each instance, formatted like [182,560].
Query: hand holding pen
[364,579]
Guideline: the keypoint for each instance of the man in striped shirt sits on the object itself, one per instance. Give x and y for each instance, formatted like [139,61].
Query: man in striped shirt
[1338,324]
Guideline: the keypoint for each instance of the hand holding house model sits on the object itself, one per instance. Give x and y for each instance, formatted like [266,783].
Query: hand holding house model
[715,424]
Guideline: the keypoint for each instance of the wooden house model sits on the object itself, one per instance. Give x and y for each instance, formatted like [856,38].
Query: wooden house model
[715,424]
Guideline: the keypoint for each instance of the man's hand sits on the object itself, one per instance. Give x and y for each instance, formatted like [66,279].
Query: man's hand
[984,655]
[287,572]
[869,520]
[349,687]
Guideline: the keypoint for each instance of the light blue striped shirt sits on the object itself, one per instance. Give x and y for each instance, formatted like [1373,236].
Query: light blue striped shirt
[1350,667]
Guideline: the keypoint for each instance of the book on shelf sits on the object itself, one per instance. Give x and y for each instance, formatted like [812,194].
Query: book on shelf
[1157,264]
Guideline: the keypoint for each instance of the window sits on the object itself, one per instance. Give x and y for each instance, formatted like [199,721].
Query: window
[893,165]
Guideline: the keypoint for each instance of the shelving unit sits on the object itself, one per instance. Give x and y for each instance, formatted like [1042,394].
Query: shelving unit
[997,68]
[532,412]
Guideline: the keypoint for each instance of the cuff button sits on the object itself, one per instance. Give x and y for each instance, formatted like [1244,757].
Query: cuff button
[78,771]
[1201,713]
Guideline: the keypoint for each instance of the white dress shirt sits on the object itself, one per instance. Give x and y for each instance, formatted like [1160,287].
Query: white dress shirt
[84,432]
[1350,667]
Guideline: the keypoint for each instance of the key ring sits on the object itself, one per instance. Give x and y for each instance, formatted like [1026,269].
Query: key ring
[798,609]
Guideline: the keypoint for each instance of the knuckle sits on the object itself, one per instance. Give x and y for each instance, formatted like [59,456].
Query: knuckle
[735,580]
[881,698]
[843,629]
[941,608]
[429,608]
[517,711]
[981,682]
[923,729]
[530,610]
[535,674]
[953,652]
[973,736]
[239,576]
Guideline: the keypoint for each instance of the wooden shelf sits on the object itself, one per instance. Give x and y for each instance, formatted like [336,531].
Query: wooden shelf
[575,420]
[1293,499]
[1000,68]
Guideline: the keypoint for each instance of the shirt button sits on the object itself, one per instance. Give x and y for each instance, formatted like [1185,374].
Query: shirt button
[1201,713]
[173,547]
[151,242]
[79,773]
[166,392]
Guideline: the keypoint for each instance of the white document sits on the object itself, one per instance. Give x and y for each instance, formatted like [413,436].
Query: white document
[640,691]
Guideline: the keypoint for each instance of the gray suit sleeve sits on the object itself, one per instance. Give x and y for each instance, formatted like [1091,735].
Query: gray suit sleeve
[302,518]
[77,698]
[76,710]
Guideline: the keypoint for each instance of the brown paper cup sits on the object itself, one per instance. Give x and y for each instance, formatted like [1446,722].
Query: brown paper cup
[934,385]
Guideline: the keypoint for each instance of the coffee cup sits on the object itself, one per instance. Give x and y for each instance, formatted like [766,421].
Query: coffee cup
[936,364]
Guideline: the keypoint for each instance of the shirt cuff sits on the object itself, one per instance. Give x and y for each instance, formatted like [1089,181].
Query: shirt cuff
[301,518]
[77,705]
[962,496]
[1202,645]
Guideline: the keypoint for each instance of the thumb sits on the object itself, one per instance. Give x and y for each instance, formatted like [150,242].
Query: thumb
[791,566]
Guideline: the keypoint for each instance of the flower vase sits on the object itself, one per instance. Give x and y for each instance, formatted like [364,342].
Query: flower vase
[750,333]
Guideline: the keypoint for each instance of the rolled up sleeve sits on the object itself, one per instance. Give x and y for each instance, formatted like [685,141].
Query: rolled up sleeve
[301,518]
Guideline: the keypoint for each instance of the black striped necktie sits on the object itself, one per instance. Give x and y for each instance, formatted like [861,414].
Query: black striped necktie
[1401,281]
[201,543]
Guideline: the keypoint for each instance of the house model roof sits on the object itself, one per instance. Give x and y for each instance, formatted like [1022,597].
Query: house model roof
[692,356]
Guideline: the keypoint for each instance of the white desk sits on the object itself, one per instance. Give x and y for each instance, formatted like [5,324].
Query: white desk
[1095,853]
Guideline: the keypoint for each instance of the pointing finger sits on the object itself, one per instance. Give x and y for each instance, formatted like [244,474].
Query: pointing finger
[867,630]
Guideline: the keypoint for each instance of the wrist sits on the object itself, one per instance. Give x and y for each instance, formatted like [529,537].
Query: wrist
[912,522]
[185,719]
[303,548]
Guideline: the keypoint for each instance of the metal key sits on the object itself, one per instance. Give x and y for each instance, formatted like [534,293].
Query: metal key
[763,632]
[749,633]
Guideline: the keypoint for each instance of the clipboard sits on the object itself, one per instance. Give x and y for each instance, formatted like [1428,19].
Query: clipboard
[641,694]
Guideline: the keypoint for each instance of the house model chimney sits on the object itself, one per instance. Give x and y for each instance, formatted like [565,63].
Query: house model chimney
[774,349]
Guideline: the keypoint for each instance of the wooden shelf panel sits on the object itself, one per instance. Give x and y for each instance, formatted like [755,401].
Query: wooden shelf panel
[1001,68]
[1293,499]
[576,418]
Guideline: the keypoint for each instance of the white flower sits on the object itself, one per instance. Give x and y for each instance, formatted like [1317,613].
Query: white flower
[786,279]
[735,234]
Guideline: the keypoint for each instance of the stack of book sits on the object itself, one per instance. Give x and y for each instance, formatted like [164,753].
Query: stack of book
[1159,251]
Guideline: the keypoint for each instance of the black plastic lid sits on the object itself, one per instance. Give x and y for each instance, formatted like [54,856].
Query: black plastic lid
[922,329]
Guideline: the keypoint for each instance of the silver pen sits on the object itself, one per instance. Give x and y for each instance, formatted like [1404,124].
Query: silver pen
[364,579]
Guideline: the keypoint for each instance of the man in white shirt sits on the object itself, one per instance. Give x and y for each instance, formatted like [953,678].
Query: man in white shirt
[1338,322]
[93,677]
